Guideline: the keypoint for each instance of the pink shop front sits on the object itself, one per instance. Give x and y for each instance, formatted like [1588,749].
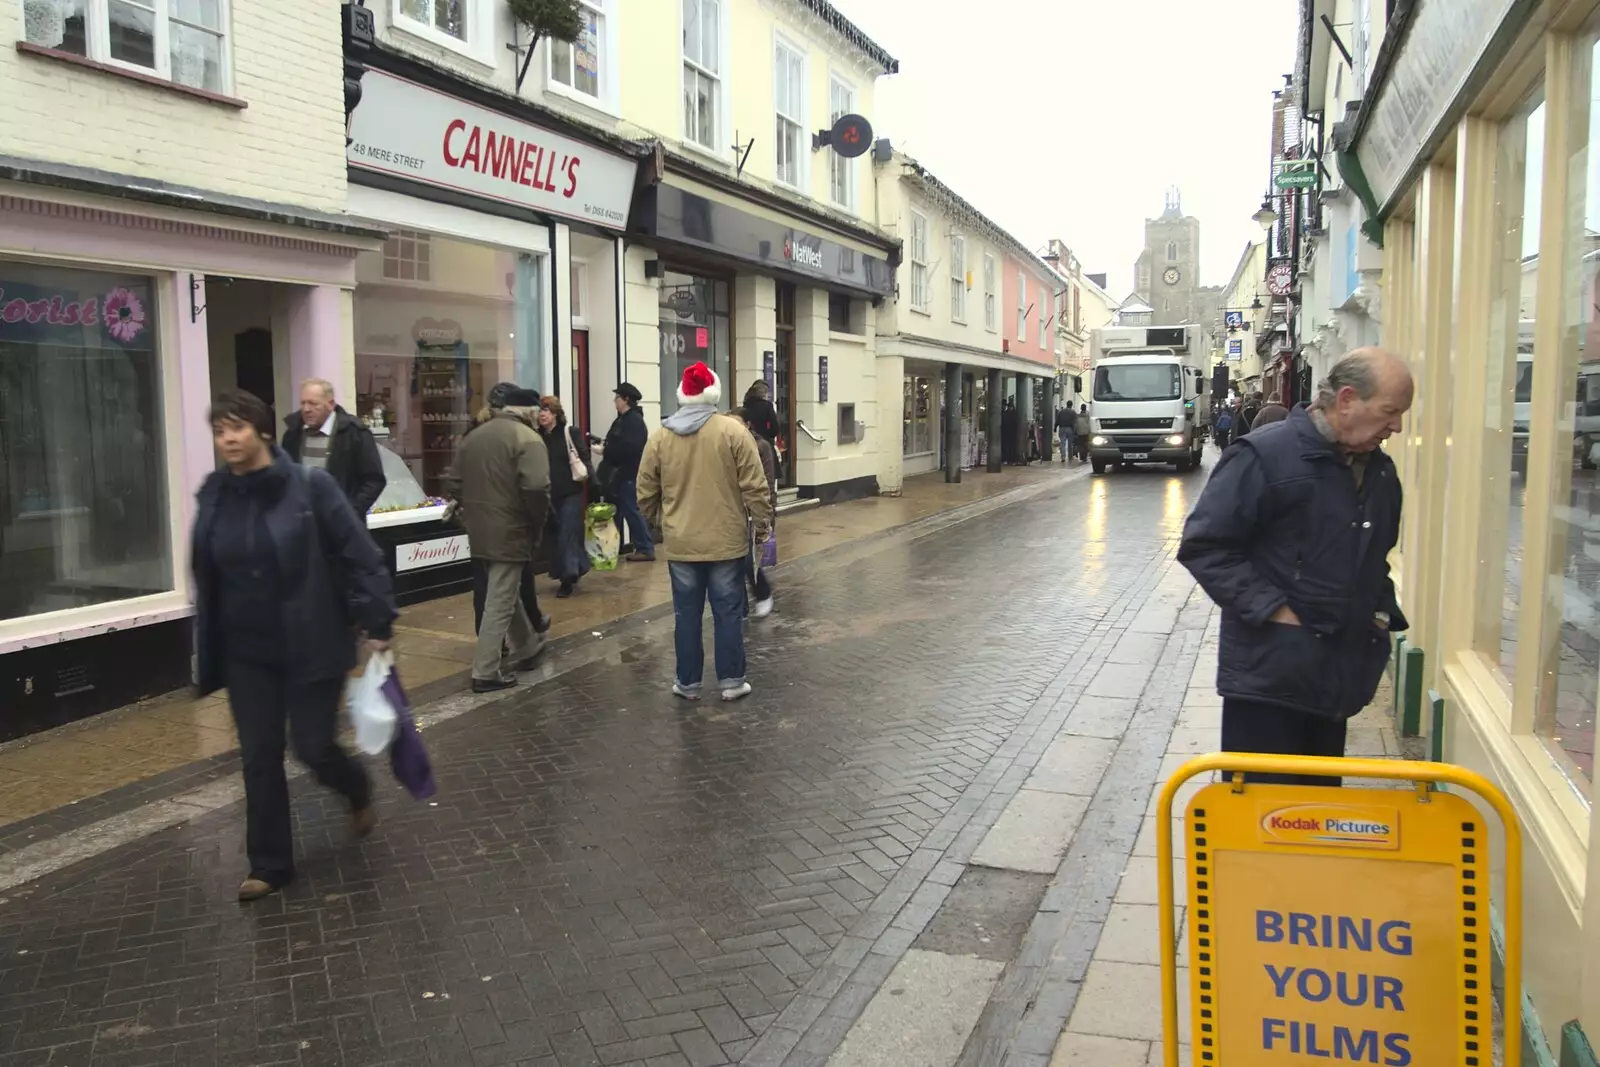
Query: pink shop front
[119,319]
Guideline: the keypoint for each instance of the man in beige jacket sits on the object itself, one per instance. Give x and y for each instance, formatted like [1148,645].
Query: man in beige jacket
[701,483]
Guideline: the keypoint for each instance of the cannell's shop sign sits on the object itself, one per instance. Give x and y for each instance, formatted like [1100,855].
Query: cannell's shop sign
[405,129]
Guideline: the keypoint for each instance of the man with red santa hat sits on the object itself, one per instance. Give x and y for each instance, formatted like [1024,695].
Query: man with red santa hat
[701,483]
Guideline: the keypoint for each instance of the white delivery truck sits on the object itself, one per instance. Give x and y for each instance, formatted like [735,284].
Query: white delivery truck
[1147,397]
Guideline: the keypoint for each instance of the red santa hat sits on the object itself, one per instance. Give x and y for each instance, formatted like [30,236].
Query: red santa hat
[700,385]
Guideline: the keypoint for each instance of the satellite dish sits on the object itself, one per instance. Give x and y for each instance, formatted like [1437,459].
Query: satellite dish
[850,136]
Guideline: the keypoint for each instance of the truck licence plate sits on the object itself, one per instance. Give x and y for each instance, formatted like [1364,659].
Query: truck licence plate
[1136,455]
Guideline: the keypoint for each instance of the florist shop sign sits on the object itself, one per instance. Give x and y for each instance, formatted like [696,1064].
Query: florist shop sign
[33,314]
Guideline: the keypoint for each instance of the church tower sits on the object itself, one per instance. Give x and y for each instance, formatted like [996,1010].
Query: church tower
[1167,273]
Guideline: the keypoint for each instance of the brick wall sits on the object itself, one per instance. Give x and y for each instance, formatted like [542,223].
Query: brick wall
[287,146]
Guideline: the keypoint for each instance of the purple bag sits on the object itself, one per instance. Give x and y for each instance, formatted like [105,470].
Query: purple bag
[766,552]
[407,758]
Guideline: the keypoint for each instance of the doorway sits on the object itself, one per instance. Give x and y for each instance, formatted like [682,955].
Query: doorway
[579,411]
[784,376]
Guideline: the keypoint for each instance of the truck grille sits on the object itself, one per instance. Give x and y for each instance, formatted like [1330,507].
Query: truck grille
[1136,424]
[1136,442]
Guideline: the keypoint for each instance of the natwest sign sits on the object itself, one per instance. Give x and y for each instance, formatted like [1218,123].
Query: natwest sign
[798,250]
[409,130]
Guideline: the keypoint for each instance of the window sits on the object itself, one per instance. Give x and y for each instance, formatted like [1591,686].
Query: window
[1137,381]
[921,296]
[788,94]
[82,442]
[580,67]
[694,319]
[702,77]
[958,279]
[408,257]
[842,316]
[1044,319]
[991,312]
[580,291]
[920,405]
[1172,251]
[841,184]
[1077,309]
[1022,308]
[182,40]
[446,17]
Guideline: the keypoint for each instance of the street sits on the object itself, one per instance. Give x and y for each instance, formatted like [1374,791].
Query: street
[609,876]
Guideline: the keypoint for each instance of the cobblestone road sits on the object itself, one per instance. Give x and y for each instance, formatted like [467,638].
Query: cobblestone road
[608,877]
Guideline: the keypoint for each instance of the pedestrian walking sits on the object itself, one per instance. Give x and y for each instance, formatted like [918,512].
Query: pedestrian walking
[323,434]
[501,483]
[702,484]
[1065,421]
[496,403]
[754,572]
[1291,538]
[284,574]
[1247,415]
[1270,413]
[1008,434]
[1080,431]
[1224,427]
[569,470]
[621,452]
[758,404]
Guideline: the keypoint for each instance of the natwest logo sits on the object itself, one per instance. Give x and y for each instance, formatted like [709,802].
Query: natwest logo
[1338,825]
[802,253]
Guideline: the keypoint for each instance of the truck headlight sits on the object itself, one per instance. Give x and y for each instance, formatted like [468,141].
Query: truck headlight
[1098,441]
[1175,439]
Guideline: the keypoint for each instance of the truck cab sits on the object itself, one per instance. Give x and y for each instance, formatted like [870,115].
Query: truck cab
[1148,401]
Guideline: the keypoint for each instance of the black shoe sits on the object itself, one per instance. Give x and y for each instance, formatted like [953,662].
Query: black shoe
[566,590]
[492,685]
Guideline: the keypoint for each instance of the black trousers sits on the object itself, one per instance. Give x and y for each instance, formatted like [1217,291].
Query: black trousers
[530,598]
[263,703]
[1251,727]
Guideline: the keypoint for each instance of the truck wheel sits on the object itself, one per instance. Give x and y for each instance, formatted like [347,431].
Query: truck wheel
[1184,465]
[1098,465]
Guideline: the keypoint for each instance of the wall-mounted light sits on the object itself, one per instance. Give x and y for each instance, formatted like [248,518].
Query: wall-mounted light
[1265,217]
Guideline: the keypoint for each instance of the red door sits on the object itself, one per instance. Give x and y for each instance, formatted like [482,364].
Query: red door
[579,409]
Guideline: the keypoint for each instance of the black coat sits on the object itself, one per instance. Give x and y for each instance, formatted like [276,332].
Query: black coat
[763,417]
[625,443]
[352,457]
[333,577]
[562,484]
[1282,522]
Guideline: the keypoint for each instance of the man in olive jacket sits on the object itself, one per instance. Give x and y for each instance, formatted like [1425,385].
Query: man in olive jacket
[501,482]
[701,481]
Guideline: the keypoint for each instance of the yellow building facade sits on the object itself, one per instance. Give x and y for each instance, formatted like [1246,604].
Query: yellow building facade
[1490,201]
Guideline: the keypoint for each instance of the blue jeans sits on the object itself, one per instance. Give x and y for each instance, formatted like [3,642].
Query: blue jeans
[723,582]
[630,520]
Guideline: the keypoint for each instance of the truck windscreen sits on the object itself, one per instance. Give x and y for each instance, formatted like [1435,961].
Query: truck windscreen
[1137,381]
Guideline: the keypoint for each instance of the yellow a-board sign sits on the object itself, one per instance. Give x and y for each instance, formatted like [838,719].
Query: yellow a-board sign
[1338,926]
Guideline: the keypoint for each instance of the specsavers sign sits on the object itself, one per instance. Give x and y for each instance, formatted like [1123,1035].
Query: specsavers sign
[1337,926]
[411,131]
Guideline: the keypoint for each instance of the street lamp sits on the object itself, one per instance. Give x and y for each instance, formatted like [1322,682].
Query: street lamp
[1256,305]
[1266,216]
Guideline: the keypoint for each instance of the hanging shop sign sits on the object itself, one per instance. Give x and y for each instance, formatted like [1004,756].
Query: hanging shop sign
[1280,278]
[1233,320]
[1294,173]
[1235,349]
[411,131]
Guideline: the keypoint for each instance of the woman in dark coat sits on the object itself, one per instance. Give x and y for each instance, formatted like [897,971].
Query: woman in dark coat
[758,406]
[284,575]
[568,560]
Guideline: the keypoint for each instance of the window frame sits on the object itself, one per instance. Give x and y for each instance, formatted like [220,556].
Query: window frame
[921,290]
[802,180]
[958,278]
[479,43]
[97,42]
[838,166]
[991,296]
[720,149]
[610,89]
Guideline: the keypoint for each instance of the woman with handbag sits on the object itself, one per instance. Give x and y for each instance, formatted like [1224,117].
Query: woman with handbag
[285,573]
[569,473]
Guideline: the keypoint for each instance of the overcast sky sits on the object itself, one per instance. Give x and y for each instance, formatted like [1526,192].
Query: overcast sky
[1047,115]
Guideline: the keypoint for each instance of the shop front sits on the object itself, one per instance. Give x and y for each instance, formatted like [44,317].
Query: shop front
[1490,197]
[109,356]
[757,292]
[500,264]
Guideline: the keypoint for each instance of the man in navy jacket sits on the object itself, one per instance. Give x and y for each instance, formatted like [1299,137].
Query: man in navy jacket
[1291,539]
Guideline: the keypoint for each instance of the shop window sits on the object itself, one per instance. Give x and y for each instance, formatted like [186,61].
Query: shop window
[958,279]
[991,313]
[921,289]
[428,352]
[841,183]
[848,434]
[581,68]
[83,491]
[408,256]
[843,316]
[185,41]
[702,73]
[789,94]
[921,406]
[1510,386]
[694,326]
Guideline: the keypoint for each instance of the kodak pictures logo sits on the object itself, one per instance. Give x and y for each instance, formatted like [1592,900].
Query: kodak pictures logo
[1338,825]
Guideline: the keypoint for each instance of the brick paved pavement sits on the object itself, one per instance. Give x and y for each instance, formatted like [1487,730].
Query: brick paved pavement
[607,877]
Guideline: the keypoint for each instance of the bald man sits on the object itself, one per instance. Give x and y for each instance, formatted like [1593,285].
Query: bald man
[1291,539]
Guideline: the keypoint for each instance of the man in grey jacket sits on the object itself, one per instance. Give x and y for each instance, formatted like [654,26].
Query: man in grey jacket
[501,481]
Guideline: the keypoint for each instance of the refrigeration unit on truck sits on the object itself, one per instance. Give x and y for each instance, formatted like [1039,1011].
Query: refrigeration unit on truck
[1147,397]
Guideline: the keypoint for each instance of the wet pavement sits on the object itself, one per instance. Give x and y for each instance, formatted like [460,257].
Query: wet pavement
[609,877]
